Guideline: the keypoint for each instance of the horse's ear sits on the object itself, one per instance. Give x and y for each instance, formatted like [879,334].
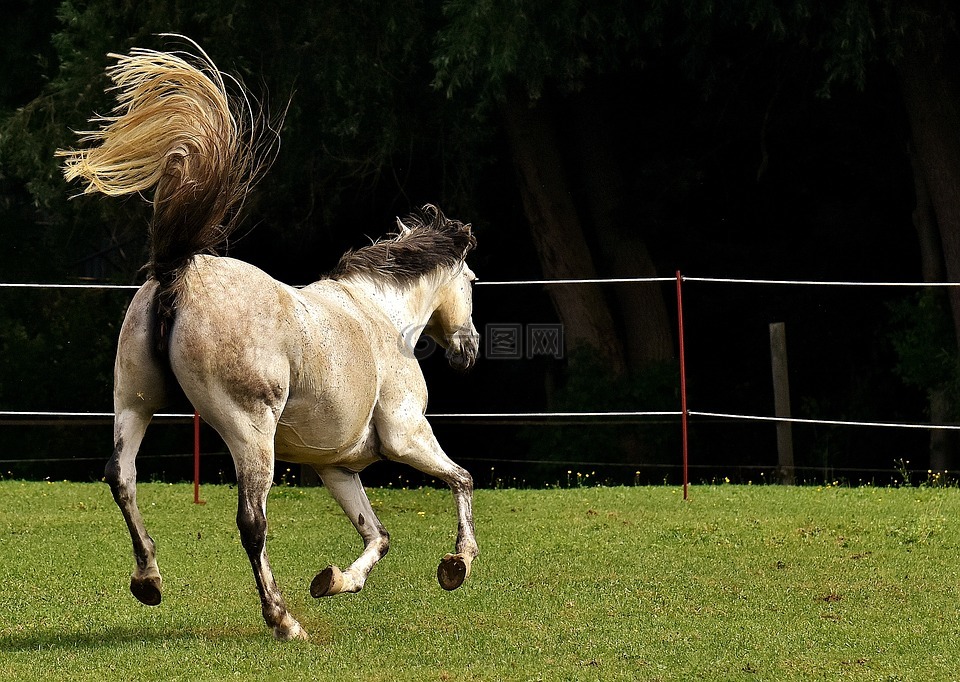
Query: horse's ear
[467,231]
[433,216]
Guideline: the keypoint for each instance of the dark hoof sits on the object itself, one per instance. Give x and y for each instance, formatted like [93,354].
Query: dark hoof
[452,571]
[329,581]
[147,590]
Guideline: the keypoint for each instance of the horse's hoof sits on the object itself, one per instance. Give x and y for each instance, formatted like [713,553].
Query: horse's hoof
[452,571]
[329,581]
[146,590]
[291,633]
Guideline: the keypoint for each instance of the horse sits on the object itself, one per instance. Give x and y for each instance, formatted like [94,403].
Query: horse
[323,375]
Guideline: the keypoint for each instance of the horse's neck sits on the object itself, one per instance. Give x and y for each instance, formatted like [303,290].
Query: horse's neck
[407,306]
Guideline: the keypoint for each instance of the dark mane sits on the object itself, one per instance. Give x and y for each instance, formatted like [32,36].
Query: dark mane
[428,240]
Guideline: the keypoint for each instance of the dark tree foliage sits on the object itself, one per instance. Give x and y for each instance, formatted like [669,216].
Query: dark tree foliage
[365,139]
[362,123]
[758,138]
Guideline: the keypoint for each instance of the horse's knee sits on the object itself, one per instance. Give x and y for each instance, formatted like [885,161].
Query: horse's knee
[111,475]
[461,481]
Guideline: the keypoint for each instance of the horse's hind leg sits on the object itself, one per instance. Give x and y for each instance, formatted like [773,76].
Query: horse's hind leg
[251,444]
[347,490]
[139,390]
[121,474]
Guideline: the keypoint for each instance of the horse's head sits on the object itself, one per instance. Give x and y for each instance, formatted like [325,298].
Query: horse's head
[425,259]
[447,242]
[451,324]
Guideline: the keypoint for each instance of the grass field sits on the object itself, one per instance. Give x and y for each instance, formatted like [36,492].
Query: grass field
[738,583]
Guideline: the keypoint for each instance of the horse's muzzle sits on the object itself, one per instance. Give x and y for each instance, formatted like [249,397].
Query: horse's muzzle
[461,356]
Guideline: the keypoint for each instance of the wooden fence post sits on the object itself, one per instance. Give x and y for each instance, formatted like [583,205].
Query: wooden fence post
[781,401]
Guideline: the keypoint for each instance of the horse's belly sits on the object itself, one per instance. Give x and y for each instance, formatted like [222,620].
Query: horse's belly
[321,445]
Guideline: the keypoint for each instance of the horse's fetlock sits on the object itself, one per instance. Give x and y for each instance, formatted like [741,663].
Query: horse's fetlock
[383,546]
[290,630]
[274,614]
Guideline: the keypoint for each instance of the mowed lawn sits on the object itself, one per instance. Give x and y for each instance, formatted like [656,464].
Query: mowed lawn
[738,583]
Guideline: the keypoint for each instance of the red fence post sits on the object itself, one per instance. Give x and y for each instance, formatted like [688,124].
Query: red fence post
[683,382]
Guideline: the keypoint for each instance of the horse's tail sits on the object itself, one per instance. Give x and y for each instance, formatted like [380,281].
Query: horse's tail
[176,129]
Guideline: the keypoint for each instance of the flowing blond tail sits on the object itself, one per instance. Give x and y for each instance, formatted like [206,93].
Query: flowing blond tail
[174,129]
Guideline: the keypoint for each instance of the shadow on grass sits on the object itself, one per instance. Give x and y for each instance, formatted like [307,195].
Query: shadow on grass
[49,638]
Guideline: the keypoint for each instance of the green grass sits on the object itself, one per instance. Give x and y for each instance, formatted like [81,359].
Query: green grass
[738,583]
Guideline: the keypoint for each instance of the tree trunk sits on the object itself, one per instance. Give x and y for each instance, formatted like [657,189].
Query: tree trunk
[943,443]
[932,102]
[642,312]
[557,231]
[933,108]
[925,223]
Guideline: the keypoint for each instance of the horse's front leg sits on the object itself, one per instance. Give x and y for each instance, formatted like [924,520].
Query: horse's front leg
[418,447]
[455,568]
[346,489]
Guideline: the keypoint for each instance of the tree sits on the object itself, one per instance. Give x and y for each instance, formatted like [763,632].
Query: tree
[613,116]
[371,131]
[931,95]
[354,79]
[850,43]
[533,66]
[918,39]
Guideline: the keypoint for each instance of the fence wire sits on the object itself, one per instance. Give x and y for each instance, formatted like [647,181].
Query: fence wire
[26,417]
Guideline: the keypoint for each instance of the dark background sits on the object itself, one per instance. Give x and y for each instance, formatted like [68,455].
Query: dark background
[750,141]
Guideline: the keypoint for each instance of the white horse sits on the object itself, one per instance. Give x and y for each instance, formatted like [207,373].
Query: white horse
[323,375]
